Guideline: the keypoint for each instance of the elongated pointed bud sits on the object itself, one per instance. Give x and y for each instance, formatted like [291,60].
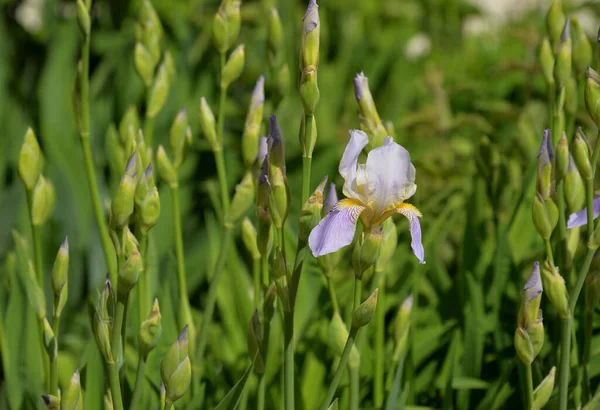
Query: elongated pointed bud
[128,243]
[547,61]
[555,22]
[582,49]
[402,327]
[542,392]
[545,216]
[102,322]
[51,402]
[49,339]
[233,67]
[592,291]
[310,214]
[147,200]
[72,398]
[35,293]
[338,334]
[176,369]
[562,157]
[523,346]
[219,27]
[145,64]
[250,137]
[165,168]
[545,158]
[263,214]
[311,32]
[282,275]
[573,236]
[275,33]
[129,274]
[249,237]
[592,94]
[150,331]
[128,127]
[60,275]
[180,137]
[207,122]
[159,92]
[562,66]
[279,199]
[255,342]
[531,297]
[370,122]
[363,314]
[83,20]
[122,204]
[30,160]
[43,201]
[226,25]
[388,243]
[243,198]
[574,187]
[366,250]
[234,21]
[555,288]
[309,90]
[581,154]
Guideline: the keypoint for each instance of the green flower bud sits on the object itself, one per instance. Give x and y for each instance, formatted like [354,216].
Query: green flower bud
[207,122]
[249,237]
[180,136]
[574,187]
[234,20]
[129,274]
[363,314]
[159,92]
[562,157]
[570,92]
[144,152]
[60,270]
[165,168]
[531,297]
[102,323]
[582,49]
[562,66]
[402,327]
[255,342]
[149,209]
[581,154]
[388,243]
[275,33]
[542,393]
[555,22]
[35,293]
[547,61]
[108,403]
[30,162]
[149,17]
[176,369]
[554,284]
[250,137]
[145,64]
[269,303]
[219,27]
[263,216]
[51,402]
[545,216]
[122,204]
[43,201]
[243,198]
[311,31]
[128,127]
[280,194]
[366,250]
[72,398]
[592,95]
[233,67]
[169,66]
[536,334]
[310,214]
[49,339]
[150,331]
[308,144]
[129,242]
[368,115]
[283,275]
[592,291]
[83,19]
[338,334]
[523,346]
[115,153]
[544,167]
[572,244]
[309,90]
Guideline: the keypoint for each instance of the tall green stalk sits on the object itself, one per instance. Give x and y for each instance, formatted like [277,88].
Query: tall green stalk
[529,379]
[54,362]
[218,153]
[184,303]
[307,159]
[115,386]
[379,343]
[340,369]
[355,370]
[139,384]
[142,283]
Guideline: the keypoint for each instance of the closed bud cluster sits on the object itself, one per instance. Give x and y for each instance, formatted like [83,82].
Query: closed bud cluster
[249,237]
[31,161]
[129,274]
[147,49]
[165,168]
[547,61]
[150,331]
[592,291]
[283,276]
[60,277]
[226,25]
[72,397]
[542,392]
[338,334]
[592,94]
[555,22]
[529,336]
[366,250]
[43,201]
[147,200]
[103,322]
[233,67]
[243,198]
[363,314]
[180,136]
[582,49]
[310,214]
[279,198]
[255,342]
[555,287]
[368,116]
[562,66]
[250,137]
[159,91]
[574,187]
[176,369]
[402,326]
[581,154]
[207,122]
[122,204]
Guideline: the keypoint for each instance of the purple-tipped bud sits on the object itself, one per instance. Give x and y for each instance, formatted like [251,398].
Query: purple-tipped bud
[258,95]
[546,153]
[263,177]
[533,286]
[183,334]
[276,145]
[131,165]
[566,32]
[263,149]
[360,81]
[331,200]
[311,17]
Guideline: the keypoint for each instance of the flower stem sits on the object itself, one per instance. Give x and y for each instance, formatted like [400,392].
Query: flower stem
[288,318]
[357,291]
[379,344]
[265,271]
[149,130]
[218,153]
[589,194]
[142,283]
[340,369]
[549,253]
[115,386]
[116,331]
[529,378]
[332,296]
[587,347]
[307,157]
[260,398]
[256,278]
[139,384]
[54,362]
[185,315]
[84,134]
[355,370]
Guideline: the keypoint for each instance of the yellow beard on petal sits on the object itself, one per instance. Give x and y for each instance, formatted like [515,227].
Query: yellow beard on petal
[395,209]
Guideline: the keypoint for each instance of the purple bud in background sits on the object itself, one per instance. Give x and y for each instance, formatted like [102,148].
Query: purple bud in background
[258,95]
[546,153]
[360,81]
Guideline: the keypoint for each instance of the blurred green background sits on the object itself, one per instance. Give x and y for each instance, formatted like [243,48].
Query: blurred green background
[468,104]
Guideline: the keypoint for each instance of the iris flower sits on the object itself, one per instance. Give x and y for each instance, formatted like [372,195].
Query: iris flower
[374,191]
[579,218]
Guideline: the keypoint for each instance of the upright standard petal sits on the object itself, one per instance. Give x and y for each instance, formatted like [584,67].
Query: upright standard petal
[579,218]
[348,164]
[336,230]
[413,215]
[391,176]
